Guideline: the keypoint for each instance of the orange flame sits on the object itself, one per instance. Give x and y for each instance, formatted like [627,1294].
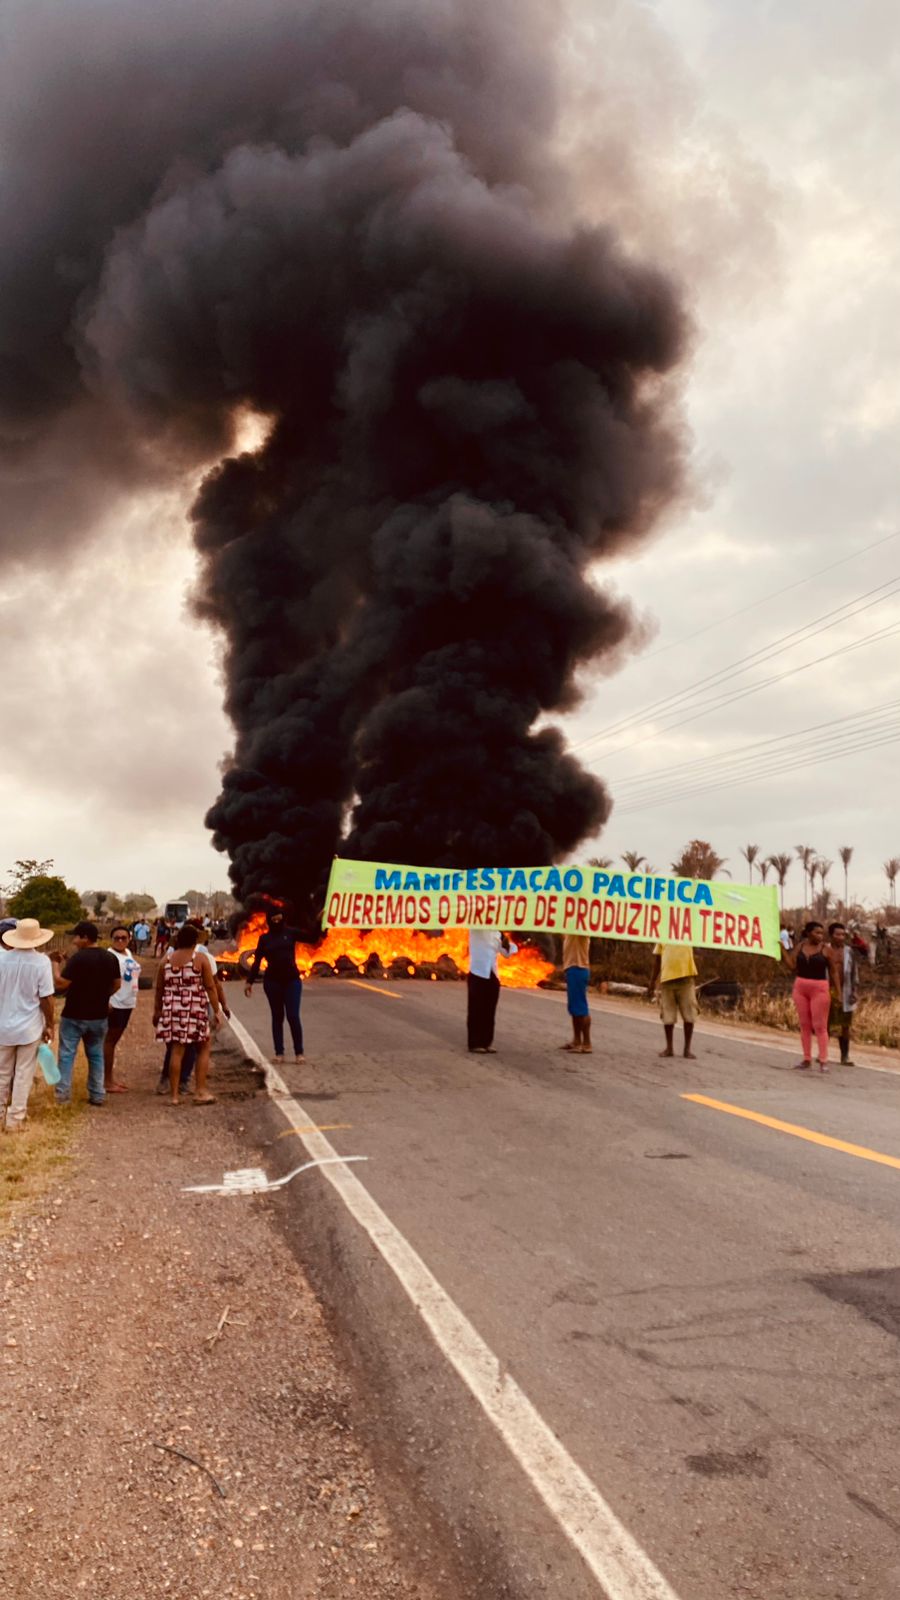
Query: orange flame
[522,971]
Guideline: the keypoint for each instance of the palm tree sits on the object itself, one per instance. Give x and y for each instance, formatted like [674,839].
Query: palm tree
[807,855]
[823,868]
[782,865]
[765,867]
[846,855]
[632,860]
[698,859]
[750,853]
[891,869]
[600,861]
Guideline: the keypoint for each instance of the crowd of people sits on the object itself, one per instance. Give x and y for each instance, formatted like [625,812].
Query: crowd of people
[100,987]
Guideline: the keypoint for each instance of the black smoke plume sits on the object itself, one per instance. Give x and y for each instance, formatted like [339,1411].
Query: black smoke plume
[344,217]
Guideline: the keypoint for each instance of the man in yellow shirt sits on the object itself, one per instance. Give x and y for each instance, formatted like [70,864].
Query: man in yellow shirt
[675,968]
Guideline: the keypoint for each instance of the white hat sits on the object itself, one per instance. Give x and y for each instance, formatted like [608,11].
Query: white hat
[26,935]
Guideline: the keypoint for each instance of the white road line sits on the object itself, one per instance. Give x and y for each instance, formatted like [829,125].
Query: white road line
[614,1557]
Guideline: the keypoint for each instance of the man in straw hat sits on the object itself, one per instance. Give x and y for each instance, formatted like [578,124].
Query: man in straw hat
[26,1015]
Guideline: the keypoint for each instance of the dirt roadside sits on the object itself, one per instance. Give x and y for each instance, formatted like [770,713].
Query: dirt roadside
[113,1289]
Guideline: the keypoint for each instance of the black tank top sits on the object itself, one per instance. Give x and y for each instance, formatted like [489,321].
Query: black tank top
[812,966]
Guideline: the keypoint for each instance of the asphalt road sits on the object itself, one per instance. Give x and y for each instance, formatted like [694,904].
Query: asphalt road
[704,1308]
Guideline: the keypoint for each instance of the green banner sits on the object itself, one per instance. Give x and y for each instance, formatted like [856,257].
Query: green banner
[649,908]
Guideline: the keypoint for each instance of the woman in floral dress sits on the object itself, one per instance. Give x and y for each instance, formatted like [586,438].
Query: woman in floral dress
[185,990]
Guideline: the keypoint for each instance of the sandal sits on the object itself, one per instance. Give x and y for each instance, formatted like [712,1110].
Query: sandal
[204,1099]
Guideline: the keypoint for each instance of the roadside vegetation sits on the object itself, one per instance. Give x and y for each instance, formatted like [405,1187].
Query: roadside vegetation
[876,1022]
[33,1160]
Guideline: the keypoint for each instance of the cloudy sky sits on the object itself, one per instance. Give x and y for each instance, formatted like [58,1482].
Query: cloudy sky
[755,149]
[788,167]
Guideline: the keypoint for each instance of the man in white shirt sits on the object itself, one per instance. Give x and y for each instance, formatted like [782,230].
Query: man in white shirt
[141,935]
[121,1004]
[26,1015]
[486,945]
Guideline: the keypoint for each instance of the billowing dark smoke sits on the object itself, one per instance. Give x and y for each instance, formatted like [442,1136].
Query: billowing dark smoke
[338,215]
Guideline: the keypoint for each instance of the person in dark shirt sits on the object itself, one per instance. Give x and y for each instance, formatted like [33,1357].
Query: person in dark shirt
[812,994]
[282,983]
[88,979]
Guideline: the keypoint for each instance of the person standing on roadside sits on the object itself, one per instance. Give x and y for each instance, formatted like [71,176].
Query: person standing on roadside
[577,966]
[121,1005]
[844,987]
[185,990]
[189,1059]
[26,1015]
[141,935]
[486,945]
[675,969]
[162,937]
[89,979]
[282,984]
[812,994]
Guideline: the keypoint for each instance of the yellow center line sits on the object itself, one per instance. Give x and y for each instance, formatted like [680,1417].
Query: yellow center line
[373,988]
[798,1132]
[324,1127]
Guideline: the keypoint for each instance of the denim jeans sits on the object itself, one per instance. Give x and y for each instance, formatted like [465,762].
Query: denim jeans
[71,1030]
[284,999]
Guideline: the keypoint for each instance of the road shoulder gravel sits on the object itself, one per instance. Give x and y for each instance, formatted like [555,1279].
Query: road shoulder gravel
[175,1414]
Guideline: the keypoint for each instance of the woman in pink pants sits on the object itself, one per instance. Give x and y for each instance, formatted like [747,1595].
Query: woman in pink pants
[812,994]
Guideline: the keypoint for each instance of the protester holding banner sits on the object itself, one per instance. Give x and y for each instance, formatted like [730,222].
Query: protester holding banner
[647,907]
[675,969]
[486,945]
[577,967]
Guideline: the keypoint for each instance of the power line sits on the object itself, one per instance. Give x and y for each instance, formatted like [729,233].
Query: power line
[829,619]
[775,594]
[669,771]
[777,750]
[749,769]
[814,759]
[774,760]
[726,700]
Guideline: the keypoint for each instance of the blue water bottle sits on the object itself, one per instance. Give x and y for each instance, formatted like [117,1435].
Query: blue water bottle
[47,1064]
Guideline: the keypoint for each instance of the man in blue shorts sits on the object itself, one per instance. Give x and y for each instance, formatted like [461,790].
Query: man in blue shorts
[577,964]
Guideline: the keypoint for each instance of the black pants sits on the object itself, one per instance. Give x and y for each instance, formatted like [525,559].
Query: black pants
[284,1000]
[483,996]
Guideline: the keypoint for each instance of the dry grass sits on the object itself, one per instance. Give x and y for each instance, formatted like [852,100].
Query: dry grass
[32,1161]
[875,1021]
